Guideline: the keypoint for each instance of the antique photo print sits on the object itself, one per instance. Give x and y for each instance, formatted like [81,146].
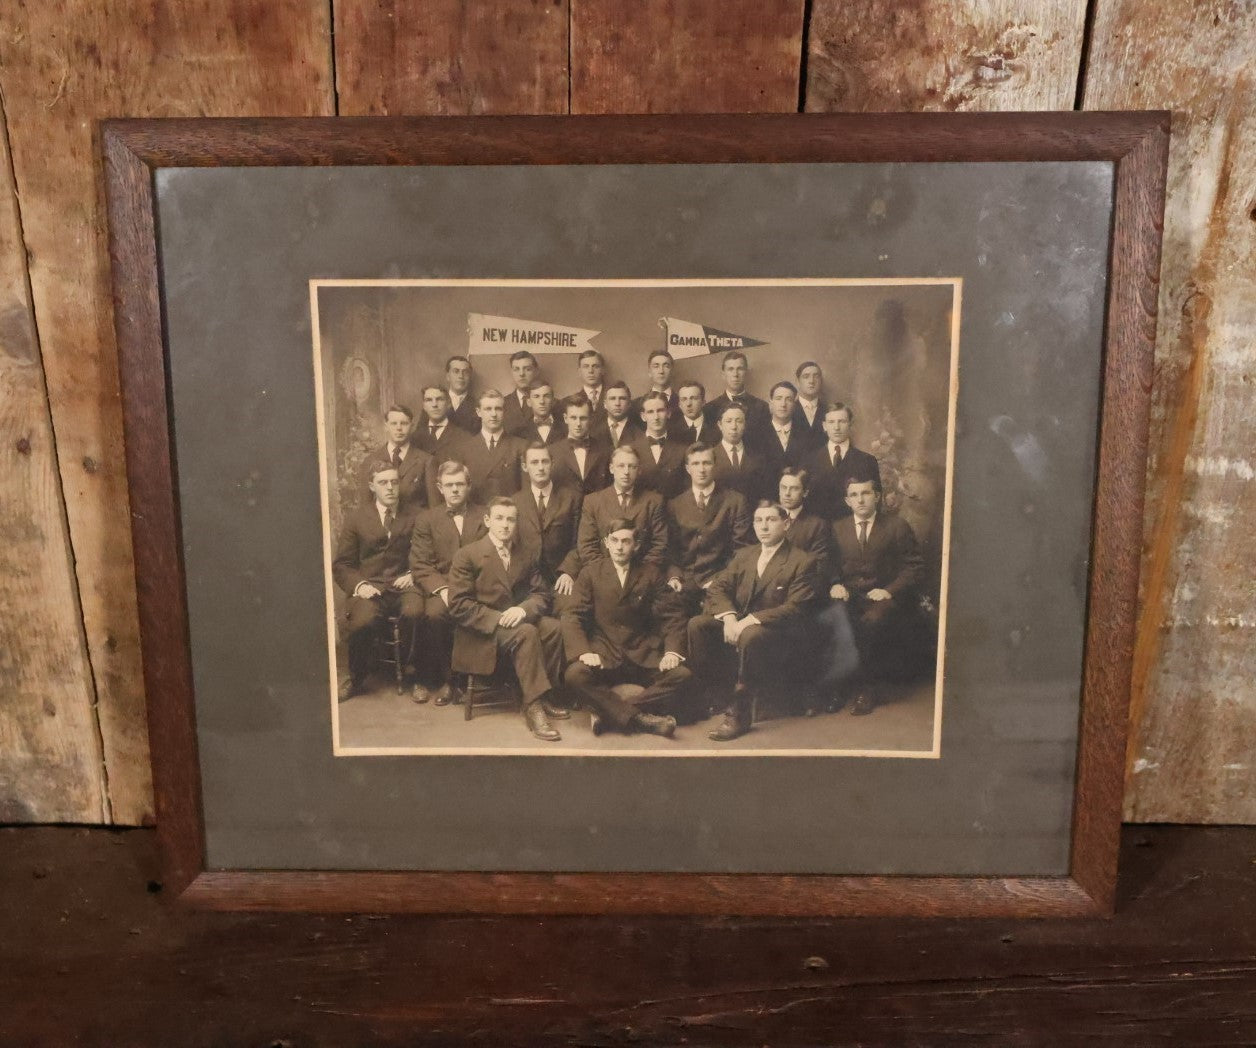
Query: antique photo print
[636,517]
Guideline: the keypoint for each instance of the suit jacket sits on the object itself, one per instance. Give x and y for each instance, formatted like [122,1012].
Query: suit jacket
[801,443]
[597,465]
[553,537]
[781,597]
[891,562]
[816,428]
[679,430]
[480,589]
[495,472]
[758,418]
[636,623]
[435,541]
[439,447]
[464,416]
[814,535]
[365,552]
[701,542]
[516,415]
[600,432]
[646,512]
[529,433]
[667,476]
[414,475]
[827,495]
[751,479]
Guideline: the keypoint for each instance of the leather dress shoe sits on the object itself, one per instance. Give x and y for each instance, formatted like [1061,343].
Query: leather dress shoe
[731,727]
[862,706]
[652,724]
[596,724]
[444,695]
[534,712]
[419,694]
[555,712]
[346,689]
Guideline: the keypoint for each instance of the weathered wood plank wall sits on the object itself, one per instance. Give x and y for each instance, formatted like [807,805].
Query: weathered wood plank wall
[67,623]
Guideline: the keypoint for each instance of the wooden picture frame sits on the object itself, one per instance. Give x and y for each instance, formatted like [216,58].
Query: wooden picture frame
[1134,143]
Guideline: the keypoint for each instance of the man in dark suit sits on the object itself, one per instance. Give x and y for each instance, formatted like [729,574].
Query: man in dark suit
[542,426]
[439,533]
[758,620]
[592,370]
[706,523]
[499,604]
[579,462]
[689,424]
[462,402]
[624,626]
[617,426]
[735,370]
[624,498]
[809,409]
[437,434]
[659,364]
[834,461]
[409,460]
[788,443]
[662,459]
[806,531]
[523,372]
[492,455]
[370,567]
[736,465]
[549,519]
[875,569]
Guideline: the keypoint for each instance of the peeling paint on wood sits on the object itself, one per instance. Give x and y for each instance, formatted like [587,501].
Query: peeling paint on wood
[64,63]
[873,56]
[1194,713]
[451,57]
[50,759]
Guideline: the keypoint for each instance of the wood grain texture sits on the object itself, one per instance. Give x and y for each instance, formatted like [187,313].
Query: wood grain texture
[89,954]
[868,55]
[1194,705]
[685,56]
[50,760]
[1136,141]
[62,64]
[450,57]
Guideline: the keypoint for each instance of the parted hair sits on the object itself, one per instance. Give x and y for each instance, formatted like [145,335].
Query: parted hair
[449,467]
[697,448]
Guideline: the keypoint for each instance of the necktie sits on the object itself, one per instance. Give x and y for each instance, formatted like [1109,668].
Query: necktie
[540,503]
[504,553]
[389,517]
[623,500]
[863,534]
[457,518]
[736,457]
[783,434]
[702,499]
[433,427]
[492,443]
[396,458]
[836,457]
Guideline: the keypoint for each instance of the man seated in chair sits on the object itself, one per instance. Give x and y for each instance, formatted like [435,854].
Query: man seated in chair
[499,601]
[760,607]
[370,565]
[439,533]
[875,569]
[623,625]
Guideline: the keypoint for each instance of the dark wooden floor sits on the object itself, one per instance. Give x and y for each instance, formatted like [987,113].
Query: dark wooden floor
[91,954]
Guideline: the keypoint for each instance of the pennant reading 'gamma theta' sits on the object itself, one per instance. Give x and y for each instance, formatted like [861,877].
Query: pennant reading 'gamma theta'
[687,339]
[490,334]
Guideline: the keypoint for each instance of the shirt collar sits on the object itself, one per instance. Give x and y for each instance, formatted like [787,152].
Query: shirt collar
[706,492]
[547,491]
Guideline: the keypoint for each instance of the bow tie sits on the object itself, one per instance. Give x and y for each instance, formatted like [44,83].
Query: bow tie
[656,442]
[580,443]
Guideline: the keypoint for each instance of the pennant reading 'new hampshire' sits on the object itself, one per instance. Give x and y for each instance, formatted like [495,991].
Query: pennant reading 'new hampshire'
[687,339]
[490,334]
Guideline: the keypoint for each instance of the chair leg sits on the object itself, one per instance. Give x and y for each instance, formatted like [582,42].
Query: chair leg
[468,698]
[398,661]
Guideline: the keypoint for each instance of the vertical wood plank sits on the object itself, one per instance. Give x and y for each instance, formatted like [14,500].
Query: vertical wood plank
[1193,731]
[685,56]
[871,55]
[451,57]
[51,767]
[64,63]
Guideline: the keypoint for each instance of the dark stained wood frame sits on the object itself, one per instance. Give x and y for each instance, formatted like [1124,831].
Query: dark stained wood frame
[1137,143]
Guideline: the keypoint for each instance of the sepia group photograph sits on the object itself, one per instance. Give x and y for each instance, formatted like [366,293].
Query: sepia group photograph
[636,517]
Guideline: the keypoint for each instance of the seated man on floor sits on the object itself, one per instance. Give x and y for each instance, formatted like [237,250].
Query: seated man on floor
[759,621]
[370,565]
[874,570]
[624,625]
[499,601]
